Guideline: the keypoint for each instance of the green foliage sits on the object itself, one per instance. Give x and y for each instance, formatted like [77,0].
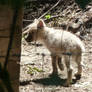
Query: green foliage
[12,3]
[33,70]
[48,16]
[82,3]
[38,70]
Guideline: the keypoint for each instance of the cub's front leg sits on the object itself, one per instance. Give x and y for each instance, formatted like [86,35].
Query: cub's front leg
[54,66]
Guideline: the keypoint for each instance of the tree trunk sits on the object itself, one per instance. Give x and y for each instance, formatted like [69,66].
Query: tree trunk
[6,20]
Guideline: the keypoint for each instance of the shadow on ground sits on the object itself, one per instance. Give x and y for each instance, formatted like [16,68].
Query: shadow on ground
[26,82]
[47,81]
[52,80]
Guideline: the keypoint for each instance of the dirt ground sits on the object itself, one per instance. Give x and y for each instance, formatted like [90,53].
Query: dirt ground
[36,68]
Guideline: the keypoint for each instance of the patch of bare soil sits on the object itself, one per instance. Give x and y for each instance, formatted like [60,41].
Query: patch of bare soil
[36,68]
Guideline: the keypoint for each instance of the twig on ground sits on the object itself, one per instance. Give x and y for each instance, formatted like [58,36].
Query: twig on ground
[43,14]
[50,9]
[45,19]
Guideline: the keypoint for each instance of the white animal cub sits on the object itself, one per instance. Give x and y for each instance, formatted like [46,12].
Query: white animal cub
[60,43]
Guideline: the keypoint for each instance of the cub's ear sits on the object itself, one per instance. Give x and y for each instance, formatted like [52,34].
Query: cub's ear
[41,24]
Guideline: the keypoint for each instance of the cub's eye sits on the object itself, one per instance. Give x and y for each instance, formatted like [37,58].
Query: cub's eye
[32,33]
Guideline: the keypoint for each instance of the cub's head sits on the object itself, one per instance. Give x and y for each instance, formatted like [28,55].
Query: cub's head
[33,30]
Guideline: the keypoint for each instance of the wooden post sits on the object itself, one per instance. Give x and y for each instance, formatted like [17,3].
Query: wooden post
[13,65]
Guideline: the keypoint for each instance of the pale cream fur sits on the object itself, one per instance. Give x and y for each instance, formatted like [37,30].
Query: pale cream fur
[59,43]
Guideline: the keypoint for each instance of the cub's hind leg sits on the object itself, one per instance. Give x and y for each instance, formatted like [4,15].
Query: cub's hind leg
[79,63]
[69,70]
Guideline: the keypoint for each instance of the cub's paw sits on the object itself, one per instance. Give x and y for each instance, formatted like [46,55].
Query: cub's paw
[78,76]
[66,84]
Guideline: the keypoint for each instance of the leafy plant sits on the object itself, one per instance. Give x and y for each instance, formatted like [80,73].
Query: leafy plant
[38,70]
[48,16]
[33,70]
